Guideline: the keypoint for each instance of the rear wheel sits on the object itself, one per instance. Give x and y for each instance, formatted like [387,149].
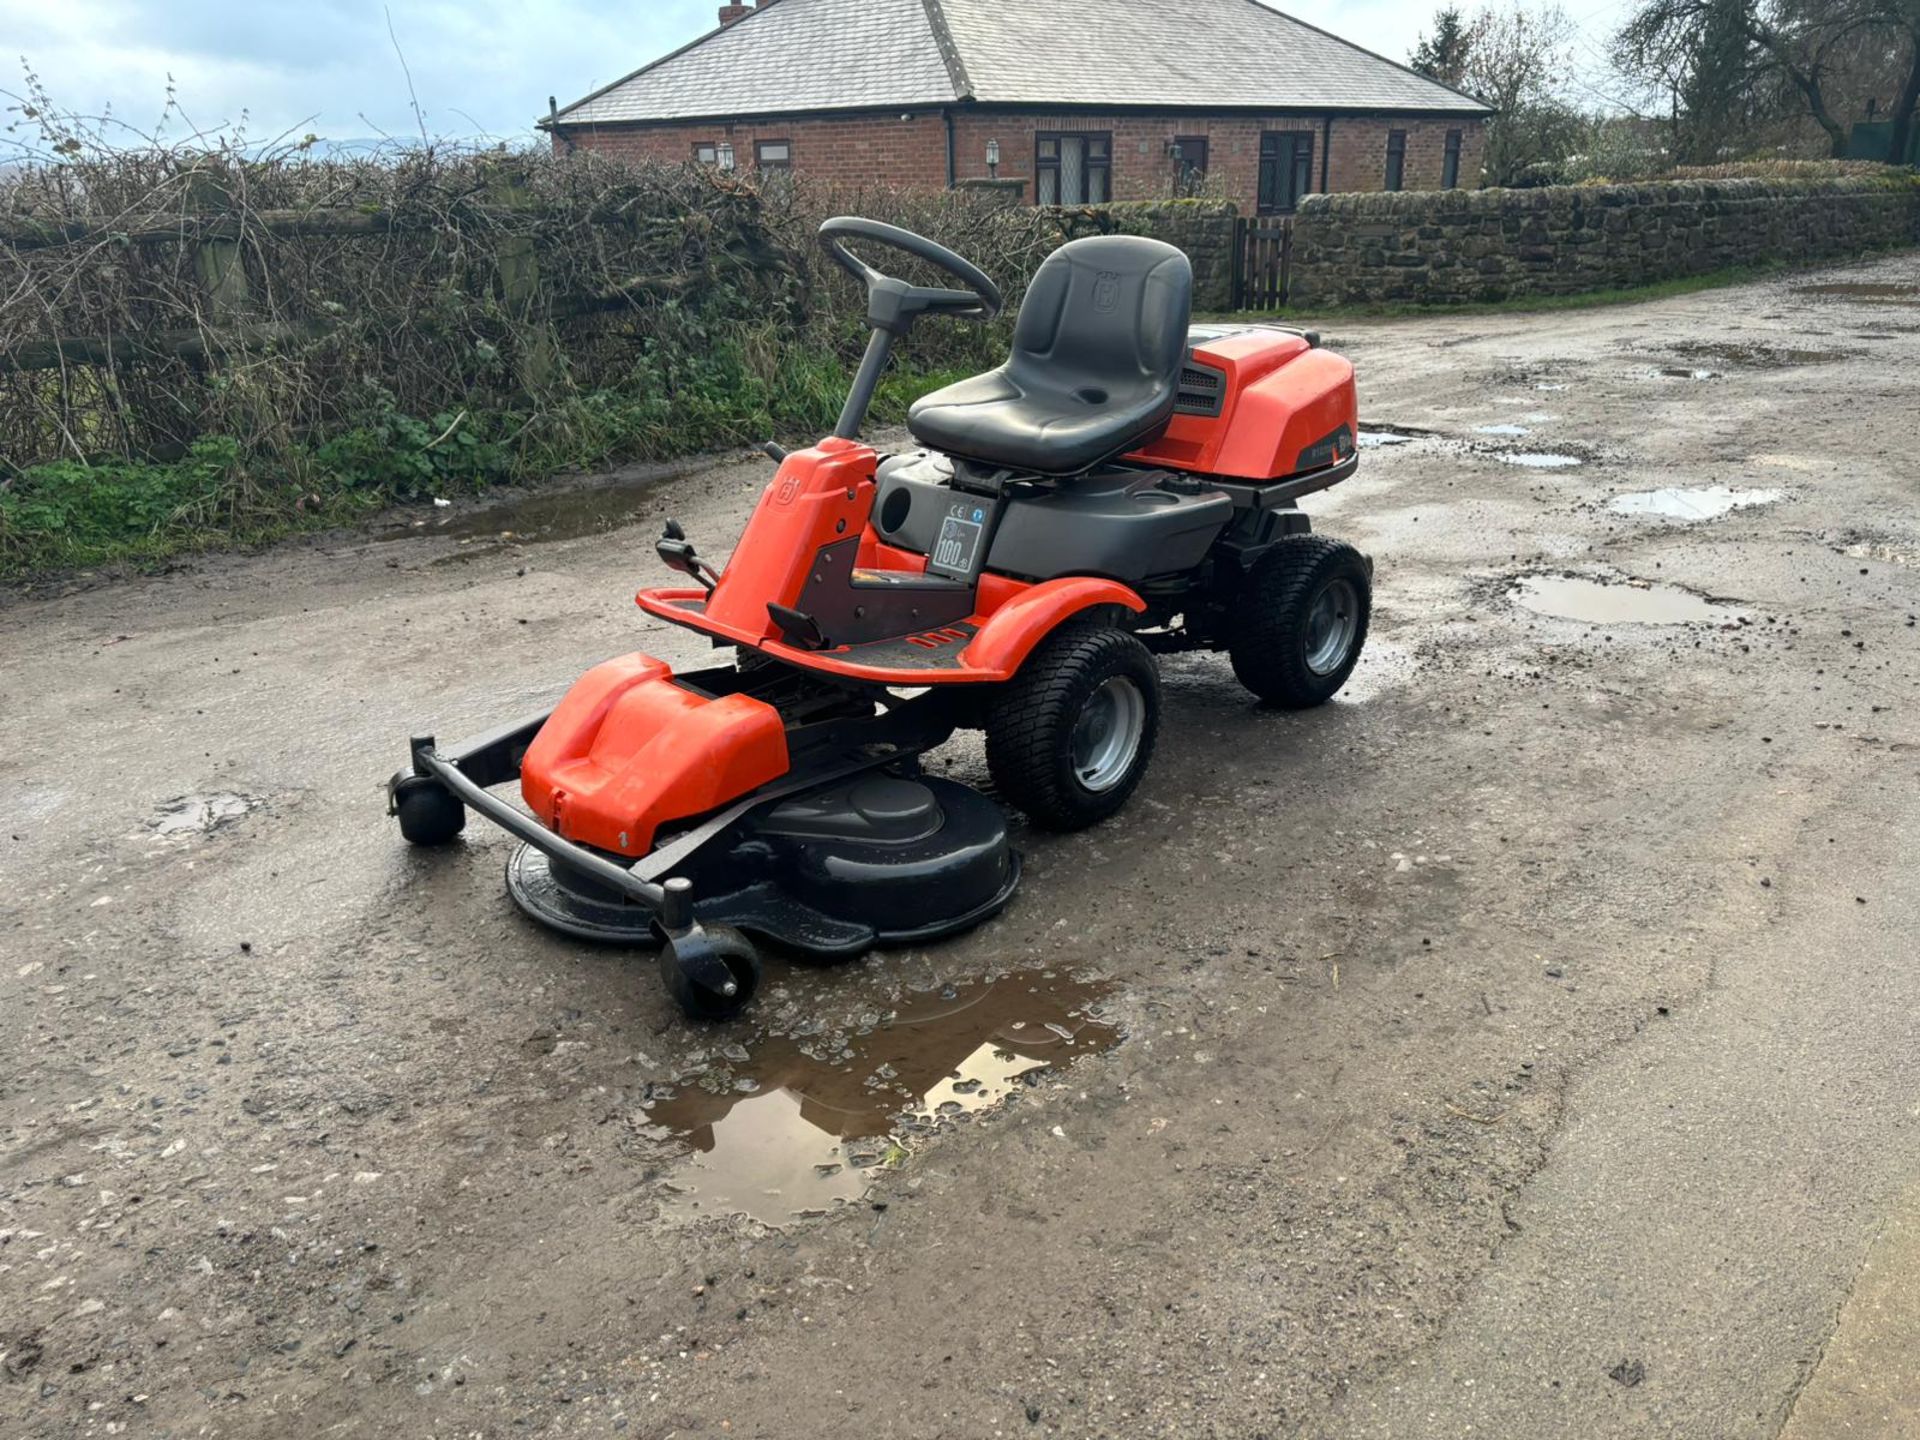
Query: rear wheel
[1301,621]
[1071,735]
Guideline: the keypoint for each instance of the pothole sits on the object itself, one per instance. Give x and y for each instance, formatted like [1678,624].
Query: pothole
[1373,436]
[1900,293]
[201,814]
[1537,459]
[1756,357]
[546,517]
[1510,431]
[800,1126]
[1702,502]
[1682,372]
[1628,602]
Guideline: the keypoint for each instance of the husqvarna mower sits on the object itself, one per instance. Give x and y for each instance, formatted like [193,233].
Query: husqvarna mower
[1123,486]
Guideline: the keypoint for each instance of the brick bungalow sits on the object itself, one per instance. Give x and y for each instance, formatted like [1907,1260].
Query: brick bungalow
[1078,101]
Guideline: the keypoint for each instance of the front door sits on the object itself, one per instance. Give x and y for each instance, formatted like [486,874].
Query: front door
[1286,170]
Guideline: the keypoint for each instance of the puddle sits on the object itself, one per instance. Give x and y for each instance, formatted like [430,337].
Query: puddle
[1758,357]
[1907,294]
[1551,387]
[1681,372]
[1513,431]
[1596,602]
[200,814]
[801,1125]
[1375,435]
[1704,502]
[546,517]
[1538,459]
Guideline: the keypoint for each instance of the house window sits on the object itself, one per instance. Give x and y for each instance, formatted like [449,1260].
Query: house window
[1073,169]
[1450,170]
[1286,170]
[718,154]
[1396,159]
[773,154]
[1189,163]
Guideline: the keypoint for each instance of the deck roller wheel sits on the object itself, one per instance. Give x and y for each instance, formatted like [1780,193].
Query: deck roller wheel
[711,971]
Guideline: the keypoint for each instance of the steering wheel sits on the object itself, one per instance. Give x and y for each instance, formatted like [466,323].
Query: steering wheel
[893,305]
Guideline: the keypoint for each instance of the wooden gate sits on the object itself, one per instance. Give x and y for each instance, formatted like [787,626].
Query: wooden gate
[1262,262]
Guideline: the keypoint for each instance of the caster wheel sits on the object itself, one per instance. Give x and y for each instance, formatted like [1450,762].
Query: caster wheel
[429,814]
[711,972]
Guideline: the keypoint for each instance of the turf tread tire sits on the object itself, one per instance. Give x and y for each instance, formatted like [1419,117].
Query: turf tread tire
[1030,725]
[1267,641]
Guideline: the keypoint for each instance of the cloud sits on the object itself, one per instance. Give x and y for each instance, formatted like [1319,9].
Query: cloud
[478,67]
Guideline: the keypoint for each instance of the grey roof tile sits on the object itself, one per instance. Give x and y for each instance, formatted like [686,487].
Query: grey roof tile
[801,55]
[795,55]
[1200,53]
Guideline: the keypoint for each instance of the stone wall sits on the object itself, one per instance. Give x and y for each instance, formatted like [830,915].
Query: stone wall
[1202,228]
[1456,245]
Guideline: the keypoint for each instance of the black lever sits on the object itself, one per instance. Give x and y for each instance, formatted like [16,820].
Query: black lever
[801,630]
[677,551]
[775,453]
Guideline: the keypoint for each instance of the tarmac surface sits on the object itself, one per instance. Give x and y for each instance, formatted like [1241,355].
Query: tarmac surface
[1525,1045]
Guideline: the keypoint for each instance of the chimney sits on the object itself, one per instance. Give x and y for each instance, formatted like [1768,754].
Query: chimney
[731,13]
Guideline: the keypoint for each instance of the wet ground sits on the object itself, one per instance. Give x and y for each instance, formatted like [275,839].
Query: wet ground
[1524,1045]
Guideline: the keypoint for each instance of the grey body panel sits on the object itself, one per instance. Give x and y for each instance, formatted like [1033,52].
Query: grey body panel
[1115,523]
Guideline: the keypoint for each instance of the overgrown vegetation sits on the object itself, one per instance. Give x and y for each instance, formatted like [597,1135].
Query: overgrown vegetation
[1684,83]
[206,343]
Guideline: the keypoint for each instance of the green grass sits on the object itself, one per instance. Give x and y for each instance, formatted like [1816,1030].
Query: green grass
[74,515]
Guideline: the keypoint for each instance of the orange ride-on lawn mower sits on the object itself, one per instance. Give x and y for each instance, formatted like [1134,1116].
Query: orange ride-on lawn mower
[1122,486]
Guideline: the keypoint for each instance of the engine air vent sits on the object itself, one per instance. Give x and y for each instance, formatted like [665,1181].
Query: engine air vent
[1203,390]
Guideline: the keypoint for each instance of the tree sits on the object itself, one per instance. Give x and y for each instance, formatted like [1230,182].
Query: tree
[1716,98]
[1902,17]
[1796,48]
[1442,56]
[1517,60]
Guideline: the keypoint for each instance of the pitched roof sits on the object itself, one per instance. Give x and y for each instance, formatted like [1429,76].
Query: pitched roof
[795,56]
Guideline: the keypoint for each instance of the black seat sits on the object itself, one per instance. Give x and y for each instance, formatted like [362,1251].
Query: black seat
[1095,369]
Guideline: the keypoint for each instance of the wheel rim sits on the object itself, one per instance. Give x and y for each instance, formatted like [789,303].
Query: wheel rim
[1331,626]
[1106,739]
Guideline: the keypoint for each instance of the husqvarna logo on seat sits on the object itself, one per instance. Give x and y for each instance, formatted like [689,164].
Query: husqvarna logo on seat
[1106,290]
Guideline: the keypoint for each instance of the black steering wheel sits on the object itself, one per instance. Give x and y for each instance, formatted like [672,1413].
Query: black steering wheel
[894,305]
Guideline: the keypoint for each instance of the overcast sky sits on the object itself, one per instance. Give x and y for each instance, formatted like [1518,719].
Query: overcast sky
[479,67]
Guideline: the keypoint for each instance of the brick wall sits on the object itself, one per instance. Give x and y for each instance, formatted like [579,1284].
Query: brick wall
[1143,169]
[1454,246]
[887,149]
[842,150]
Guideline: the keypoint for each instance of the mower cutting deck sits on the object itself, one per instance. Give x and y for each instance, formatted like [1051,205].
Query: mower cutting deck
[1123,485]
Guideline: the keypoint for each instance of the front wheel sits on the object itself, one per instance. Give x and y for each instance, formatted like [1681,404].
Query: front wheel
[1070,736]
[1301,621]
[710,971]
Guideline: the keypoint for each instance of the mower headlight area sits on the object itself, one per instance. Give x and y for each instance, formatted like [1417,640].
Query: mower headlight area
[1330,450]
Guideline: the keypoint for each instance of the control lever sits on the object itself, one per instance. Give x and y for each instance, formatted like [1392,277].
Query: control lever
[677,551]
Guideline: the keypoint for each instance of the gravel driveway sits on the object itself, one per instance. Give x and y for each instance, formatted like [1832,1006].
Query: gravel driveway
[1524,1045]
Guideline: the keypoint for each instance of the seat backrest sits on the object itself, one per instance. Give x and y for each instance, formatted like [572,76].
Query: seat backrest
[1109,312]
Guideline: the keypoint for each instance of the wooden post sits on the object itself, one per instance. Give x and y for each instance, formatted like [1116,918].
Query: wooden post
[539,363]
[217,263]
